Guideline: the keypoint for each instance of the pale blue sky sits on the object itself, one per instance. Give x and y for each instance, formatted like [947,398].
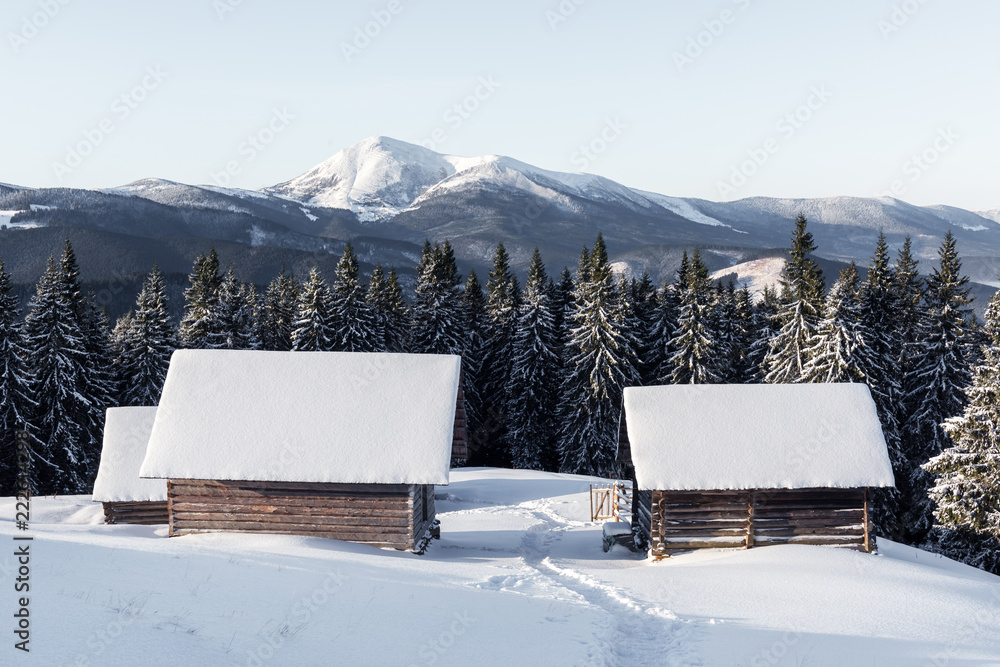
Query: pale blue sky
[892,94]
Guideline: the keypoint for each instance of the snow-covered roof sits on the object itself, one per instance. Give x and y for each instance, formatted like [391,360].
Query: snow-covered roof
[126,433]
[766,436]
[339,417]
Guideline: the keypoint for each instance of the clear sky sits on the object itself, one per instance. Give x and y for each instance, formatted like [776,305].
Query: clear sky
[683,98]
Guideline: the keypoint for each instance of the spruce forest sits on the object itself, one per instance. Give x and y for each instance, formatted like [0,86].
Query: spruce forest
[545,363]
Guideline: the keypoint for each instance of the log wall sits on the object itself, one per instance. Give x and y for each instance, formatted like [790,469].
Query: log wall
[144,512]
[459,440]
[383,515]
[685,520]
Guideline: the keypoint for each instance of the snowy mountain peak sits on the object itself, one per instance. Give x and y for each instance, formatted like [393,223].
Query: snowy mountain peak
[379,177]
[376,178]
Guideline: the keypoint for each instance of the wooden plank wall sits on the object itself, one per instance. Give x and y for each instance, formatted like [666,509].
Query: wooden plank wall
[143,512]
[685,520]
[384,515]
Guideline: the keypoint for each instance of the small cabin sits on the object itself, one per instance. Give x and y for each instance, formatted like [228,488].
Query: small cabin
[127,498]
[743,466]
[342,445]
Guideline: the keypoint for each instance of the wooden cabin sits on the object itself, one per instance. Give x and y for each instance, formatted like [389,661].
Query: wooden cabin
[127,498]
[743,466]
[329,444]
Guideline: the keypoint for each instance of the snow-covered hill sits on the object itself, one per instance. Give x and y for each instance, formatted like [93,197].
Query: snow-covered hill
[755,274]
[518,577]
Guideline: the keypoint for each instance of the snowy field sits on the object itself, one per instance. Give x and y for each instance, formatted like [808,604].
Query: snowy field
[518,578]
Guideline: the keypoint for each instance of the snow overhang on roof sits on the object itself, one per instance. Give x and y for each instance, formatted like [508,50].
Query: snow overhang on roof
[708,437]
[126,434]
[325,417]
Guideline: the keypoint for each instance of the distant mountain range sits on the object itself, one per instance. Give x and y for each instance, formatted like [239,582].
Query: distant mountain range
[388,196]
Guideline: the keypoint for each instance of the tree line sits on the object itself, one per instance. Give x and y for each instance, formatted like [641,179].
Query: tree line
[545,364]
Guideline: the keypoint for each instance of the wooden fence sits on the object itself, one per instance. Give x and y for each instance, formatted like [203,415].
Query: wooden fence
[611,502]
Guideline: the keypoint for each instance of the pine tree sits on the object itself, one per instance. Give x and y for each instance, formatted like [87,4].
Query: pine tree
[501,319]
[662,327]
[764,326]
[280,309]
[16,402]
[908,288]
[695,360]
[597,372]
[966,490]
[146,343]
[879,363]
[534,376]
[834,350]
[478,416]
[802,303]
[312,331]
[743,369]
[436,316]
[236,314]
[939,377]
[56,346]
[646,311]
[353,320]
[201,327]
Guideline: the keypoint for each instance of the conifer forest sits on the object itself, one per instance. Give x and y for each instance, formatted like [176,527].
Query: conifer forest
[545,363]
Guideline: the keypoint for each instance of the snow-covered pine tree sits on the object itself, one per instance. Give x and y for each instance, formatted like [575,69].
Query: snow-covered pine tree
[662,327]
[101,387]
[311,331]
[436,315]
[764,326]
[279,311]
[146,343]
[376,297]
[833,350]
[908,288]
[743,369]
[236,317]
[56,350]
[725,326]
[695,360]
[645,305]
[597,372]
[501,319]
[939,377]
[534,376]
[966,489]
[201,326]
[353,320]
[474,324]
[879,363]
[16,402]
[397,331]
[802,303]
